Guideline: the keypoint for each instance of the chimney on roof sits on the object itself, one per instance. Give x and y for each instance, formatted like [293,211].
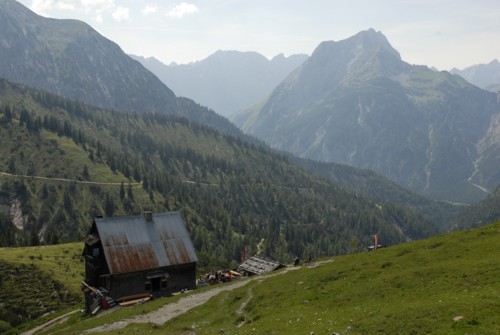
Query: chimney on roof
[148,216]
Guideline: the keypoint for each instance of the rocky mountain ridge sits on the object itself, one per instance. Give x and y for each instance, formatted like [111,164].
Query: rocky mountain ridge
[486,76]
[69,58]
[356,102]
[226,81]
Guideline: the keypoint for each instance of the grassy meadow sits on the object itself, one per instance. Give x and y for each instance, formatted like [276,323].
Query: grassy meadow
[35,282]
[443,285]
[62,262]
[447,284]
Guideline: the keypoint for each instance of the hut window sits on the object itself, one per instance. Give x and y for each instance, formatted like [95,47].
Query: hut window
[95,252]
[164,283]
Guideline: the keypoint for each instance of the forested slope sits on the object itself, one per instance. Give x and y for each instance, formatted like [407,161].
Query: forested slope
[231,193]
[480,214]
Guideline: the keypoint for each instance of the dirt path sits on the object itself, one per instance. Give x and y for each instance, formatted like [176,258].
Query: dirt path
[50,323]
[65,180]
[241,309]
[172,310]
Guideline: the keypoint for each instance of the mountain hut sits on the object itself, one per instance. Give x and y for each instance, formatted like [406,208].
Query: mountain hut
[145,255]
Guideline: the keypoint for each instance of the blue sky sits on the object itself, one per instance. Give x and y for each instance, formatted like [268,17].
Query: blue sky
[439,33]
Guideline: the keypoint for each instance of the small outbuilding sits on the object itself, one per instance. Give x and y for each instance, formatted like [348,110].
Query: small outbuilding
[256,265]
[139,255]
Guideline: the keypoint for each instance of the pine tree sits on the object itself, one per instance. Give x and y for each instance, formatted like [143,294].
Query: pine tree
[122,191]
[34,236]
[109,206]
[130,192]
[85,173]
[12,165]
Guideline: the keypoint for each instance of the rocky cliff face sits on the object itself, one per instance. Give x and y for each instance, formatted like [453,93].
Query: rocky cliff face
[356,102]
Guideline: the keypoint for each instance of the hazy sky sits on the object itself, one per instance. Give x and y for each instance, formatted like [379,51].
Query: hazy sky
[439,33]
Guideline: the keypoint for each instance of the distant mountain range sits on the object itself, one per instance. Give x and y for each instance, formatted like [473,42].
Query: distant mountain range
[226,81]
[69,58]
[356,102]
[486,76]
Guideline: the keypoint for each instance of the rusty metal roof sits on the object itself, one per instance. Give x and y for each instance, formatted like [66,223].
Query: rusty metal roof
[134,244]
[259,265]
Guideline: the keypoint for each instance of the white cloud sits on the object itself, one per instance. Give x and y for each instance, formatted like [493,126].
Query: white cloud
[98,18]
[97,9]
[150,9]
[120,14]
[183,9]
[43,6]
[65,5]
[98,6]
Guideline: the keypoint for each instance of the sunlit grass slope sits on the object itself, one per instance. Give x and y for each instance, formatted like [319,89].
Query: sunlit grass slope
[444,285]
[447,284]
[62,262]
[36,281]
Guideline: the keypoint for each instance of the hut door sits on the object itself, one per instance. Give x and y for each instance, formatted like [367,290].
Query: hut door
[156,284]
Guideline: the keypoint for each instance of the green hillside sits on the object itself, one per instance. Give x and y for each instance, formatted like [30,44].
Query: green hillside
[414,288]
[379,188]
[35,281]
[442,285]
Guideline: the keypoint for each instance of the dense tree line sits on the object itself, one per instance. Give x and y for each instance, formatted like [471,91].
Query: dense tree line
[480,214]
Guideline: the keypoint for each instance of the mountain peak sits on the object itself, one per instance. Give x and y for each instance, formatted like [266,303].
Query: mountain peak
[486,76]
[371,39]
[371,34]
[494,62]
[366,55]
[367,41]
[278,57]
[356,102]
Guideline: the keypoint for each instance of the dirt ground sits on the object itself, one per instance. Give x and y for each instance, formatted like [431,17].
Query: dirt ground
[170,311]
